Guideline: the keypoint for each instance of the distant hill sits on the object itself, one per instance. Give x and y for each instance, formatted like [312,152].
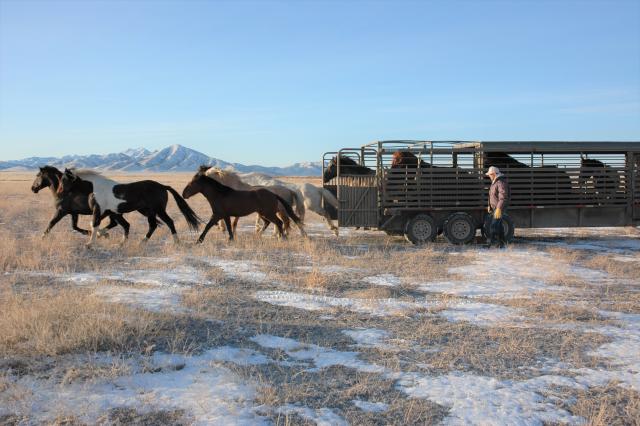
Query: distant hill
[174,158]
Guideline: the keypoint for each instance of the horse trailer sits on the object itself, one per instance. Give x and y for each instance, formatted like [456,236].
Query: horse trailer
[422,188]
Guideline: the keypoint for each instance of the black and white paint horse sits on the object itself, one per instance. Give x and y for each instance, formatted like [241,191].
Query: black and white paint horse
[74,203]
[146,196]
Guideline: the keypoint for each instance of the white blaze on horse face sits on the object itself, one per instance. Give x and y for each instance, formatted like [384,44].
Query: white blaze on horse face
[102,190]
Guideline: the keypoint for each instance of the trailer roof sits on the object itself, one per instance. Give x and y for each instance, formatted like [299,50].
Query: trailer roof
[516,146]
[551,146]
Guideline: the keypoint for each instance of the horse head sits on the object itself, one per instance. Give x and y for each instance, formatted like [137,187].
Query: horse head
[41,181]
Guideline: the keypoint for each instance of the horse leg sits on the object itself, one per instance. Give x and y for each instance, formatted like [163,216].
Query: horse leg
[265,224]
[327,218]
[166,219]
[118,219]
[235,223]
[259,223]
[273,217]
[102,232]
[214,219]
[153,224]
[95,222]
[74,224]
[55,219]
[227,221]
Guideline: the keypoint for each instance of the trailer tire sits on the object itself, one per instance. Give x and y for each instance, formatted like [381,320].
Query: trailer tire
[421,229]
[460,228]
[507,223]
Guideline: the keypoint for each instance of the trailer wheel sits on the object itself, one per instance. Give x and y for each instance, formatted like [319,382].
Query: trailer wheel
[507,224]
[459,228]
[421,229]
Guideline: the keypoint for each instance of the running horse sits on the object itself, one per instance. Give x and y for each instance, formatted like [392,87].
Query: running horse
[226,202]
[107,196]
[75,203]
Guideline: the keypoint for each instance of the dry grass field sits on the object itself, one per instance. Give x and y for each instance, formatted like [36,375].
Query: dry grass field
[359,329]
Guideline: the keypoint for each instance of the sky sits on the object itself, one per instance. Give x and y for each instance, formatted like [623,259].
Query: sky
[277,82]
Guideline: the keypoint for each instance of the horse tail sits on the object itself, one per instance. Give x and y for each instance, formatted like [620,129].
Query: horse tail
[192,218]
[292,214]
[329,197]
[299,200]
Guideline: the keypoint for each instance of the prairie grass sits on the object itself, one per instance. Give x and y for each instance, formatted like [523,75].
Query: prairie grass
[45,316]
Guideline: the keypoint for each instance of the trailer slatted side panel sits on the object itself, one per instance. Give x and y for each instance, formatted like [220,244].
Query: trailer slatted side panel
[358,201]
[411,187]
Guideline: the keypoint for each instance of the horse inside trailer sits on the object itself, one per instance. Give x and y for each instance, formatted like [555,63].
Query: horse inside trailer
[422,188]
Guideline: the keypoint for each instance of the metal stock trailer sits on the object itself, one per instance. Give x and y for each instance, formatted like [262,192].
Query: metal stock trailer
[553,184]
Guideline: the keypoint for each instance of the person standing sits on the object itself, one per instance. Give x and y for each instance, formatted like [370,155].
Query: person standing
[499,196]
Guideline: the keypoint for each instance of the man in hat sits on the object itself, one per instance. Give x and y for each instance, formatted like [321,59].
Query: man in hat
[499,195]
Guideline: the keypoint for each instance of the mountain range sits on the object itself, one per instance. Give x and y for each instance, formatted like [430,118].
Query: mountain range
[174,158]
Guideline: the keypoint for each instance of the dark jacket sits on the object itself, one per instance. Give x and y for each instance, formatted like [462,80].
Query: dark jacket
[499,194]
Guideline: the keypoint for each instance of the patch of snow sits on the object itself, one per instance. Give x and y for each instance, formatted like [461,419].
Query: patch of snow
[367,337]
[208,393]
[174,276]
[515,273]
[623,353]
[387,280]
[310,302]
[155,299]
[482,314]
[321,416]
[371,407]
[241,269]
[480,400]
[240,356]
[626,259]
[623,244]
[320,356]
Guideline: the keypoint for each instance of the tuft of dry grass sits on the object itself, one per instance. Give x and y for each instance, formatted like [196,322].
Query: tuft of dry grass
[608,405]
[69,321]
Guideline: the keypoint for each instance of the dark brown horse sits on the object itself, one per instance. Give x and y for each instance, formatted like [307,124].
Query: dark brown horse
[74,203]
[406,159]
[226,202]
[347,167]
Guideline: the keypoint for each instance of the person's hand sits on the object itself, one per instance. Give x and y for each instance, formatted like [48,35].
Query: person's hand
[497,214]
[488,209]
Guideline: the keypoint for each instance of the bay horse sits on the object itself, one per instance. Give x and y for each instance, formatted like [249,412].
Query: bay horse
[233,180]
[226,202]
[146,196]
[406,159]
[316,199]
[347,166]
[75,203]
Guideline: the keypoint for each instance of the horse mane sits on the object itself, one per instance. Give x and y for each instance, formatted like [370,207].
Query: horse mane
[219,186]
[204,168]
[51,169]
[86,172]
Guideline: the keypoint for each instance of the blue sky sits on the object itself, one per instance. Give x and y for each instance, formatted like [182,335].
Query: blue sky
[278,82]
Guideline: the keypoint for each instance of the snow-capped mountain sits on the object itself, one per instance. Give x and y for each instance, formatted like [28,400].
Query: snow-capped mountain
[175,158]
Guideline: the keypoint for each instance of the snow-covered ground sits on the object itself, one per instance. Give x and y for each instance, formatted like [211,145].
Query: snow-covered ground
[477,291]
